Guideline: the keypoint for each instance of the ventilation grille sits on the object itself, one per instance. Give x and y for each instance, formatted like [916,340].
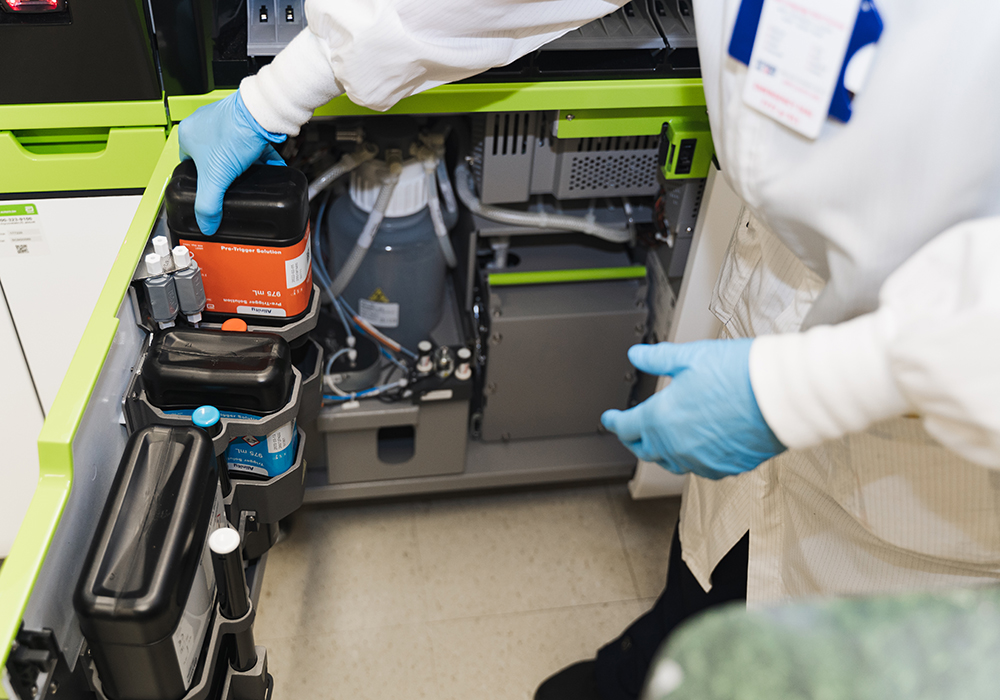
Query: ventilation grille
[612,143]
[612,174]
[696,207]
[502,155]
[511,132]
[608,167]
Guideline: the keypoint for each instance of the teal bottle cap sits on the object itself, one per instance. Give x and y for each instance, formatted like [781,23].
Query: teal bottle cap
[205,416]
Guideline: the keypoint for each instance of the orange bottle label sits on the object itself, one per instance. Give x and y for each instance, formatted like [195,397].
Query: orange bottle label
[254,280]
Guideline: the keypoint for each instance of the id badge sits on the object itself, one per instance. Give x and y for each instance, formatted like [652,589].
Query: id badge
[805,58]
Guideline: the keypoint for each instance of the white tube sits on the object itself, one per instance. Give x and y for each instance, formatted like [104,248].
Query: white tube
[559,222]
[434,205]
[345,165]
[353,262]
[444,182]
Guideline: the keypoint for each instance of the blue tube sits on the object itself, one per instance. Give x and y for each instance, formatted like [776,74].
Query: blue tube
[320,268]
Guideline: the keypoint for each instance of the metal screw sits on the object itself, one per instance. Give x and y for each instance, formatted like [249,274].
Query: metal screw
[629,376]
[53,688]
[491,387]
[640,327]
[496,338]
[34,690]
[570,117]
[496,313]
[251,519]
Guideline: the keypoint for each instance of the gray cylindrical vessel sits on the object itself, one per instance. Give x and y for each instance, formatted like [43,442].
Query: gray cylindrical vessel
[399,287]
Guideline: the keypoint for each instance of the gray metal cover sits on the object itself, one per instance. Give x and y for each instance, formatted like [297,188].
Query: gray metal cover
[557,356]
[503,153]
[354,451]
[627,28]
[515,155]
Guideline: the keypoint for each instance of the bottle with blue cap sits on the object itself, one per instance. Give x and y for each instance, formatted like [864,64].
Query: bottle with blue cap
[209,419]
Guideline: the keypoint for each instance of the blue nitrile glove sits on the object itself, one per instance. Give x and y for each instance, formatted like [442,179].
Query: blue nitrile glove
[706,421]
[224,140]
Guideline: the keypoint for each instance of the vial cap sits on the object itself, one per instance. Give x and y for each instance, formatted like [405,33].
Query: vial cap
[425,346]
[224,540]
[161,246]
[154,264]
[234,324]
[205,416]
[464,353]
[182,257]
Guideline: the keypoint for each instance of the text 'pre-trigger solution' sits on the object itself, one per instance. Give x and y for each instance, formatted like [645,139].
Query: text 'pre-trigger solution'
[259,263]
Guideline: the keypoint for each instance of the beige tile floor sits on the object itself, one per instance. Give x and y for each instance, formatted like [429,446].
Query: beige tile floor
[474,597]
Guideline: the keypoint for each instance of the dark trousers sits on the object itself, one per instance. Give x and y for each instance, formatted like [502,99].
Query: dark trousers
[623,664]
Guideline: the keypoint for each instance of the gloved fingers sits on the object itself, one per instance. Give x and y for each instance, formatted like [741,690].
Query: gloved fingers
[627,425]
[270,156]
[642,450]
[665,359]
[208,203]
[673,467]
[182,129]
[216,173]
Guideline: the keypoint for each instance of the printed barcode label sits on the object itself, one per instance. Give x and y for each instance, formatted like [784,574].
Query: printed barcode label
[297,269]
[21,231]
[280,438]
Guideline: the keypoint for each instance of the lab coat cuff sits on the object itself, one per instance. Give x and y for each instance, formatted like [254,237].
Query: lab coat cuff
[284,93]
[825,382]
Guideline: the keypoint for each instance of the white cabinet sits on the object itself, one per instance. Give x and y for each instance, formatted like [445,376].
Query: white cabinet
[51,274]
[20,421]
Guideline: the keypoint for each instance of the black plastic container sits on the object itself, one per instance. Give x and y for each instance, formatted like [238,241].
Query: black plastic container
[257,265]
[147,592]
[243,372]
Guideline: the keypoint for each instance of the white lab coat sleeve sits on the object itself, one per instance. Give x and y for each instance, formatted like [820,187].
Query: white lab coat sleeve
[930,348]
[380,51]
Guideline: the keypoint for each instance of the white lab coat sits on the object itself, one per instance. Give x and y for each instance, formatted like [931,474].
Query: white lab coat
[889,216]
[878,228]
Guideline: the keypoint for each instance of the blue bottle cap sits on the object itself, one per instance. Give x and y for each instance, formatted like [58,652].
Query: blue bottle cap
[205,416]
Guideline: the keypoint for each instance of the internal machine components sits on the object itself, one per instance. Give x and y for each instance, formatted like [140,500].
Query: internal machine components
[413,305]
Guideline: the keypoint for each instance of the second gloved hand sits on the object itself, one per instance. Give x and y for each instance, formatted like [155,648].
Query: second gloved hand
[224,140]
[707,420]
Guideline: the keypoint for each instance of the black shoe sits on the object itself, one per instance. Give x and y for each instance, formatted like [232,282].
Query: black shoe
[576,682]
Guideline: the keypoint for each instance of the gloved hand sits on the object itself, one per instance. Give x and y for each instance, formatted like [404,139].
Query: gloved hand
[706,421]
[224,140]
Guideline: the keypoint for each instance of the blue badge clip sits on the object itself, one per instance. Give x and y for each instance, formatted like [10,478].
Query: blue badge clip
[867,30]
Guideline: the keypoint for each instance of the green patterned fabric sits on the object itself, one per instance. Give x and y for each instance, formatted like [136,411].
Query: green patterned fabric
[912,647]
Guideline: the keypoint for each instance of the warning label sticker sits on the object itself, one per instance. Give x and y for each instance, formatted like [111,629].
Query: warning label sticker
[379,296]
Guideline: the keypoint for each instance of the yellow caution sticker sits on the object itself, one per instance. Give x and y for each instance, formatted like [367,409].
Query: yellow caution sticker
[379,296]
